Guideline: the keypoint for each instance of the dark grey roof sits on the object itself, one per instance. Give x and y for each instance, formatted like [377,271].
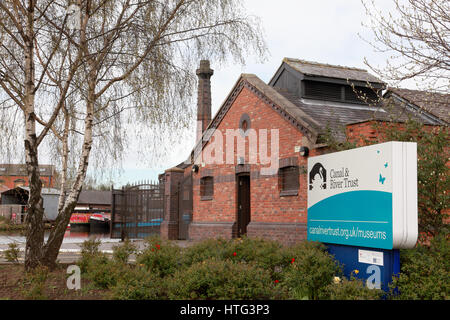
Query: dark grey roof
[436,105]
[95,197]
[330,71]
[335,116]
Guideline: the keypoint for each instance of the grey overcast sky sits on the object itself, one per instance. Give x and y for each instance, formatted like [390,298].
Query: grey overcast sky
[326,31]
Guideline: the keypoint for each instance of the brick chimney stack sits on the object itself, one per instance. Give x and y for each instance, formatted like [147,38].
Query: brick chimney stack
[204,74]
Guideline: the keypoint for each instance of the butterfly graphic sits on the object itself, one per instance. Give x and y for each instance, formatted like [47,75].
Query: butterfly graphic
[382,179]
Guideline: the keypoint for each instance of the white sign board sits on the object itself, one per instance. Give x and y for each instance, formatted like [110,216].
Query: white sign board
[370,257]
[364,196]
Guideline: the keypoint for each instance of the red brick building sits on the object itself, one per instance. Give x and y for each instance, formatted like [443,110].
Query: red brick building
[249,165]
[15,175]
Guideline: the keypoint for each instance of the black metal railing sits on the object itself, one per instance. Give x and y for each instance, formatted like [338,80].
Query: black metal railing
[137,211]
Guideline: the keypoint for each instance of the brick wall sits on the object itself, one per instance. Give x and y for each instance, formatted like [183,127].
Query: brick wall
[272,215]
[8,181]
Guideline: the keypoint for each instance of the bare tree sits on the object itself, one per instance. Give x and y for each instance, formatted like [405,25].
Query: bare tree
[122,58]
[416,35]
[21,79]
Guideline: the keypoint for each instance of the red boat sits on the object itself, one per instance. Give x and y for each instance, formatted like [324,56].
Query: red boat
[79,221]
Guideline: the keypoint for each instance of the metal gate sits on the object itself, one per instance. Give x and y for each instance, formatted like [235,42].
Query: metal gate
[184,207]
[137,211]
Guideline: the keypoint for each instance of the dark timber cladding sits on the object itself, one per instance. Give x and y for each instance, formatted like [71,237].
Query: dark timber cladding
[313,80]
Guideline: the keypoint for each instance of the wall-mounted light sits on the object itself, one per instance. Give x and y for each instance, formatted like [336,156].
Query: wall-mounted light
[195,168]
[304,151]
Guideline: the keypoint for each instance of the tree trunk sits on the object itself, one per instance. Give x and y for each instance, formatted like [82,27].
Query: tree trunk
[34,223]
[53,245]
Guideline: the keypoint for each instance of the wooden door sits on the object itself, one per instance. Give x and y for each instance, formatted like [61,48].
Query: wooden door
[185,205]
[243,204]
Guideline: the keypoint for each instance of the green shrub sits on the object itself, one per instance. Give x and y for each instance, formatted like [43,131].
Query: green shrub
[163,258]
[349,289]
[223,279]
[90,247]
[103,272]
[263,253]
[12,254]
[122,252]
[97,267]
[139,284]
[311,270]
[424,272]
[218,249]
[89,251]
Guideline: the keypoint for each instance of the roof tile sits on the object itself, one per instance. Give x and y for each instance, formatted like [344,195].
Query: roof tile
[331,71]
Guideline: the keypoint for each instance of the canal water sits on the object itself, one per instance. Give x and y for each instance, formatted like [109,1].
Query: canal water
[71,236]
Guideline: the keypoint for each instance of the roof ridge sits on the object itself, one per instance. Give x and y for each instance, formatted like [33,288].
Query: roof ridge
[416,90]
[323,64]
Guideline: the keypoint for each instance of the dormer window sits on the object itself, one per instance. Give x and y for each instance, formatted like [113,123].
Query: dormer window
[320,90]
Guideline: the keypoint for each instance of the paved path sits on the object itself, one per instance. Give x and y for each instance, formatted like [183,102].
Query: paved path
[70,250]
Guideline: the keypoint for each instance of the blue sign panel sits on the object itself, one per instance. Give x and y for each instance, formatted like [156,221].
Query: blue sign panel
[364,219]
[375,267]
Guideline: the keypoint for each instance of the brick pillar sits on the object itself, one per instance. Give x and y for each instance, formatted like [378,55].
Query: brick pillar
[204,74]
[169,226]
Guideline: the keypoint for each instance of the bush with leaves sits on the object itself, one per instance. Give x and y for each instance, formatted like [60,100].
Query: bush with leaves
[161,257]
[122,253]
[89,250]
[104,272]
[207,249]
[266,254]
[310,271]
[424,272]
[12,253]
[97,267]
[349,289]
[139,284]
[223,279]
